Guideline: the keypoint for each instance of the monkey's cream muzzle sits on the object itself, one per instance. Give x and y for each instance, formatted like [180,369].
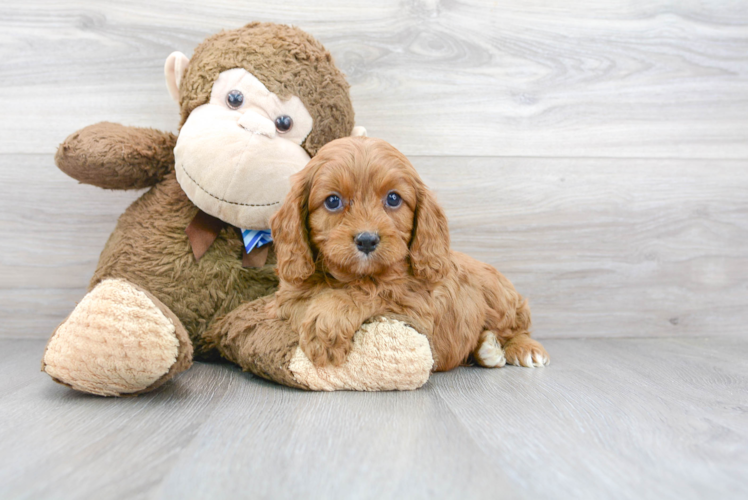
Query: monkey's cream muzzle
[257,124]
[232,162]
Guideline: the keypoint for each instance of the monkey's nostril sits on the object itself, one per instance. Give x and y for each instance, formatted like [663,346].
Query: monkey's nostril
[366,242]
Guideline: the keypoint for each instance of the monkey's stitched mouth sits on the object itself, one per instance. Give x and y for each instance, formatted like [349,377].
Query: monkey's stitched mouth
[221,199]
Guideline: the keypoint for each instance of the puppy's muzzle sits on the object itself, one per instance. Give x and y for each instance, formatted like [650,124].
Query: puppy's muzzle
[366,242]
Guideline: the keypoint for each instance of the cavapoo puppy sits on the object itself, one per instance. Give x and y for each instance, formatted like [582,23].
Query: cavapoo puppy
[360,235]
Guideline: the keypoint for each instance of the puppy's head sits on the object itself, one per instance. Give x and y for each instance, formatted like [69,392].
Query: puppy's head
[360,209]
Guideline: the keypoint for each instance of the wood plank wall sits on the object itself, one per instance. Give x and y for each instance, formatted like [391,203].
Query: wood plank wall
[594,152]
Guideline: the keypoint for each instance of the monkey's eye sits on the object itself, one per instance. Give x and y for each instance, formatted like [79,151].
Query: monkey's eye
[235,99]
[333,203]
[393,200]
[283,123]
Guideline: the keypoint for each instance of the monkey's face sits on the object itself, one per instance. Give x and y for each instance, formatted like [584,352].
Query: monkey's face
[235,154]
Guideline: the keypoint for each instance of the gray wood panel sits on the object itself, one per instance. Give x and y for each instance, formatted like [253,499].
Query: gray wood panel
[594,152]
[628,416]
[610,418]
[643,78]
[628,247]
[601,247]
[605,247]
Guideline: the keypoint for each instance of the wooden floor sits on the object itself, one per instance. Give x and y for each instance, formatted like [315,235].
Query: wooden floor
[611,418]
[594,152]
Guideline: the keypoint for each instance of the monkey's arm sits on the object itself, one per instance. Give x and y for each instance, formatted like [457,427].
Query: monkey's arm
[114,156]
[387,354]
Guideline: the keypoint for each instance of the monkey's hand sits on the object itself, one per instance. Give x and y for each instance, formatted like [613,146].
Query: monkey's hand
[326,332]
[114,156]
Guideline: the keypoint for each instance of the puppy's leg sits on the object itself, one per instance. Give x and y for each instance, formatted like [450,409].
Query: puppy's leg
[489,352]
[521,350]
[510,319]
[331,320]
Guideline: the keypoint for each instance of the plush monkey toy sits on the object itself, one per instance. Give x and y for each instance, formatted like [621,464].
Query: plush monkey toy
[189,267]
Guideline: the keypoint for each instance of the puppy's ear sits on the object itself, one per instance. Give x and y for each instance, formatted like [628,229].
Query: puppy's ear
[291,234]
[429,246]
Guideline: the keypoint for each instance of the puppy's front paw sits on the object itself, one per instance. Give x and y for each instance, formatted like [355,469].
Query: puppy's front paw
[322,354]
[386,355]
[325,342]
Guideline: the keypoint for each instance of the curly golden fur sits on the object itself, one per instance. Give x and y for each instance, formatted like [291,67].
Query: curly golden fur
[329,287]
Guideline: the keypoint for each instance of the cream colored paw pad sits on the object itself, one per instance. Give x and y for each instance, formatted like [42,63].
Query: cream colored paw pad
[387,355]
[116,341]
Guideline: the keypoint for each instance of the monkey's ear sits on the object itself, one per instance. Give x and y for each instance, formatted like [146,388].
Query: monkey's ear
[174,68]
[290,233]
[358,132]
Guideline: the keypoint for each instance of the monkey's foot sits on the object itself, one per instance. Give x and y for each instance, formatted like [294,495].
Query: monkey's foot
[387,355]
[119,340]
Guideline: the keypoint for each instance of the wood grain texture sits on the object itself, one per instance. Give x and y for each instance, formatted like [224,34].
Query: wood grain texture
[607,247]
[610,418]
[627,247]
[628,416]
[643,78]
[594,152]
[601,247]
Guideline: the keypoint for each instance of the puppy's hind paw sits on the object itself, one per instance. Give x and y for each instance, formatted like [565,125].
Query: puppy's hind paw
[489,352]
[527,352]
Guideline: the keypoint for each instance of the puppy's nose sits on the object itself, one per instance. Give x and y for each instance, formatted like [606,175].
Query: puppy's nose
[366,242]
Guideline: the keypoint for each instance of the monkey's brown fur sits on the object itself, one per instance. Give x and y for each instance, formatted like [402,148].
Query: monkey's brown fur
[288,62]
[149,247]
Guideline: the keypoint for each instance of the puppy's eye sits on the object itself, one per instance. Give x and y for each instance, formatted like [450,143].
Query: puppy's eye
[235,99]
[393,200]
[283,123]
[333,203]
